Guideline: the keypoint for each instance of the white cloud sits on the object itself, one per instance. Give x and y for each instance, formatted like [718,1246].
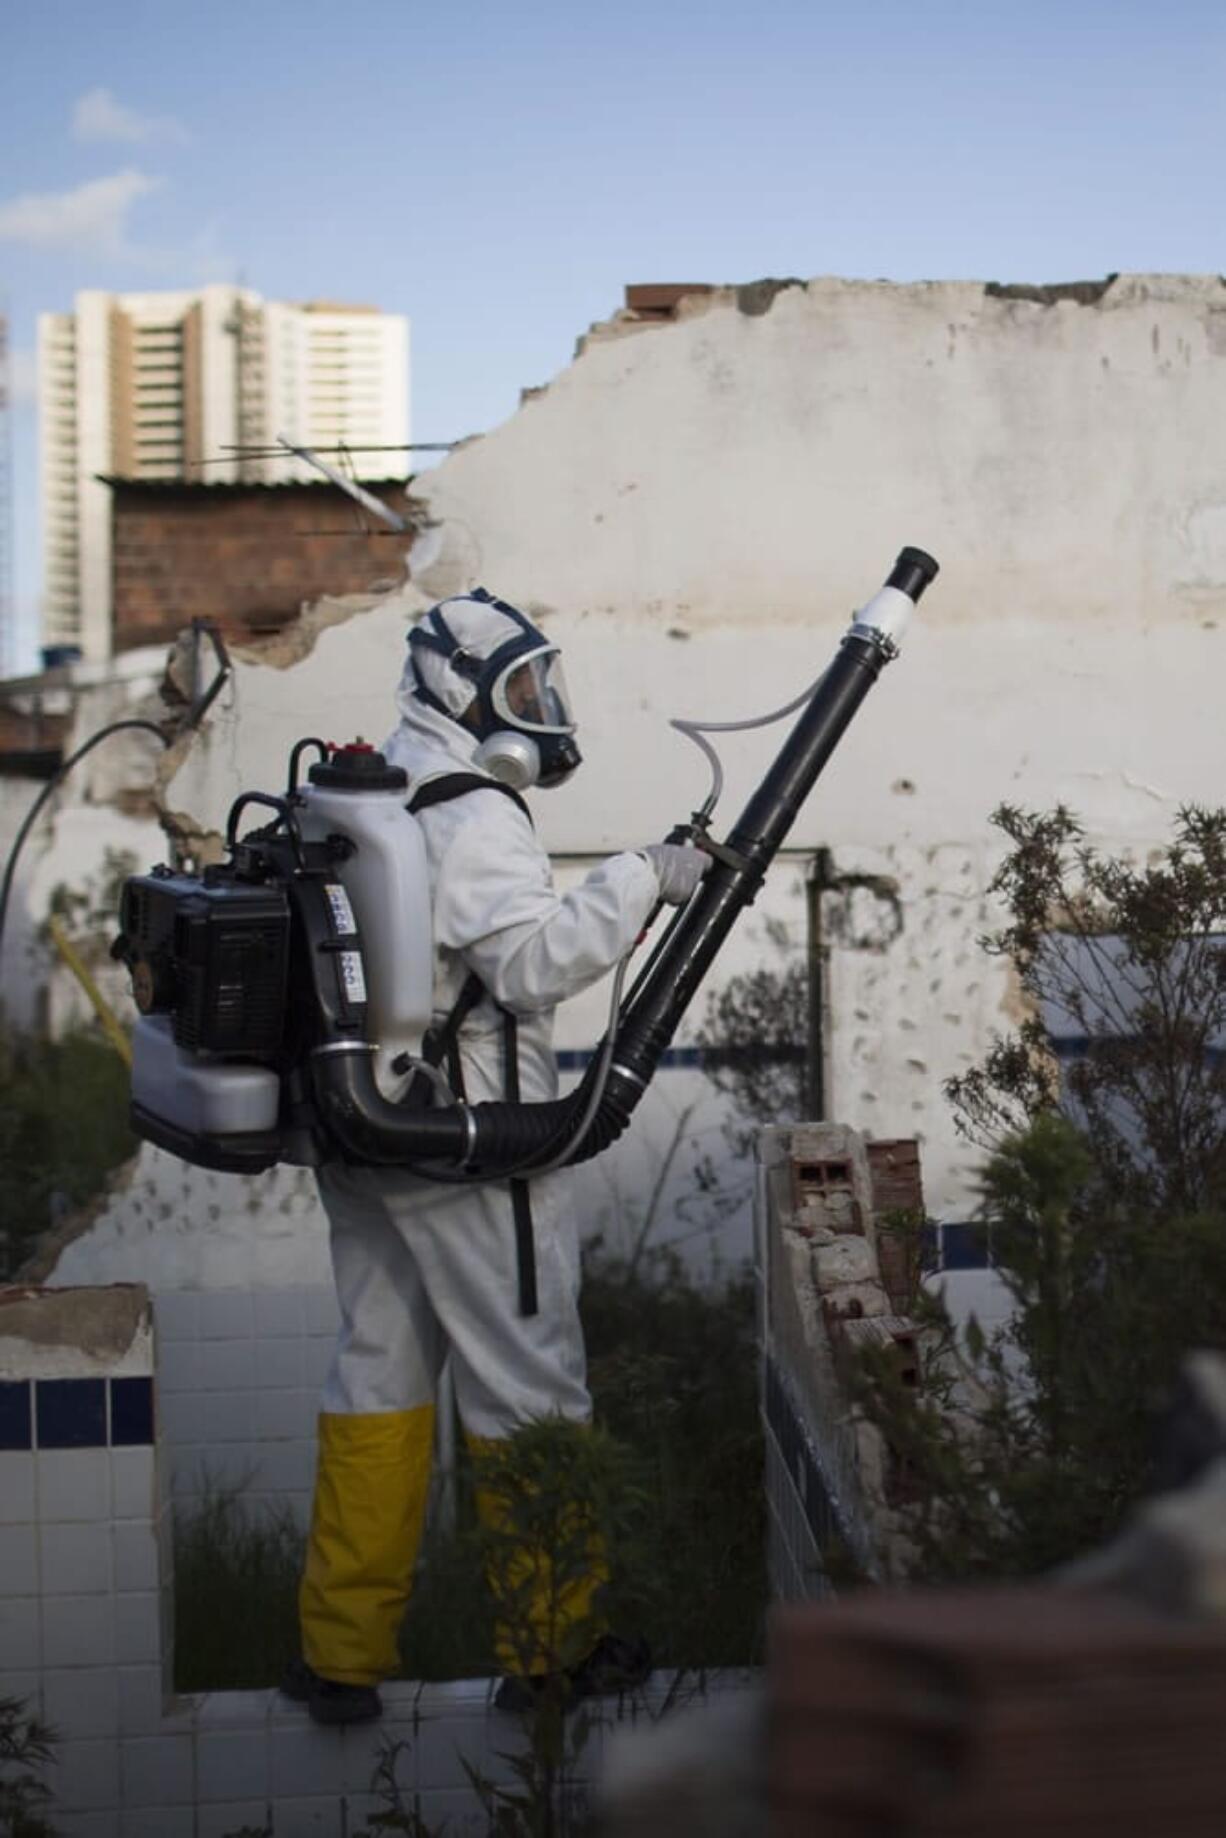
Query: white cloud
[99,115]
[90,219]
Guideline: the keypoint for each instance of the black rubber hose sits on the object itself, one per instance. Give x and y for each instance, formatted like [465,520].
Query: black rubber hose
[370,1128]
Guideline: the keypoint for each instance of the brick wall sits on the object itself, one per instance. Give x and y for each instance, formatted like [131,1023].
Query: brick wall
[247,556]
[31,742]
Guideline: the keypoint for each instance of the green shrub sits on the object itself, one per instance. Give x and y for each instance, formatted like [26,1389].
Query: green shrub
[63,1128]
[1104,1192]
[236,1594]
[26,1748]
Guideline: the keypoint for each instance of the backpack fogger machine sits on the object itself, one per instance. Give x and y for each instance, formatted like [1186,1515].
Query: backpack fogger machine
[284,994]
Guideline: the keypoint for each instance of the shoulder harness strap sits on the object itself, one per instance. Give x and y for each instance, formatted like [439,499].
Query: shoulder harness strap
[443,1043]
[455,785]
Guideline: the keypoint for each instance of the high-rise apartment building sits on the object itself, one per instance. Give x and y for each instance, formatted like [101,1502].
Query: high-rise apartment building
[181,385]
[8,635]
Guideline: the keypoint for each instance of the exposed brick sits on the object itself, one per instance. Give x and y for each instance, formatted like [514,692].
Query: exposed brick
[245,556]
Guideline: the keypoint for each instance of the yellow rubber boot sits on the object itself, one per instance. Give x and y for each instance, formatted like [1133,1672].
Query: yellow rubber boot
[545,1565]
[366,1525]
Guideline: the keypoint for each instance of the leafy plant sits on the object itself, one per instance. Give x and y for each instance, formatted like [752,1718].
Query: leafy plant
[63,1128]
[396,1813]
[26,1748]
[88,910]
[236,1593]
[1131,961]
[1103,1198]
[673,1370]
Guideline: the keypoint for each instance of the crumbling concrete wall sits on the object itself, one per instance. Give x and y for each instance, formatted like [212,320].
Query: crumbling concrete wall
[106,813]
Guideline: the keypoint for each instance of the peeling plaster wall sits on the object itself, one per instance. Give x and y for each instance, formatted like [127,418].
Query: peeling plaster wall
[106,806]
[692,508]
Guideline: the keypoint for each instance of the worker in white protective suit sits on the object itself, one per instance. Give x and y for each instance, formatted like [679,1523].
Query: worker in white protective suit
[490,1272]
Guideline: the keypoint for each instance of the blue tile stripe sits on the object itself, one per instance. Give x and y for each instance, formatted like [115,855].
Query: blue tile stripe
[694,1059]
[80,1413]
[15,1430]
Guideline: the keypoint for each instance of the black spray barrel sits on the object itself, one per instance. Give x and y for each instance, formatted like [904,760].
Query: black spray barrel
[493,1140]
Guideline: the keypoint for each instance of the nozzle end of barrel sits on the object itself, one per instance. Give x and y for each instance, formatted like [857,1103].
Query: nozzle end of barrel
[914,570]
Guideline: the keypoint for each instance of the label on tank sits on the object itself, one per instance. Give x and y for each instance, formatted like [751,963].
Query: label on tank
[352,976]
[342,912]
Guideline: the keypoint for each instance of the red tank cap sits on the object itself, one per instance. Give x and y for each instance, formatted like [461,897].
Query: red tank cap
[357,766]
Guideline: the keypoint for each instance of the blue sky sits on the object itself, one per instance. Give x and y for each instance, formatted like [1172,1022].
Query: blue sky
[499,172]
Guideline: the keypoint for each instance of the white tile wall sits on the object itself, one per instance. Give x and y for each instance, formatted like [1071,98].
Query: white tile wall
[159,1822]
[304,1759]
[134,1547]
[231,1764]
[156,1771]
[20,1635]
[88,1824]
[317,1358]
[74,1485]
[85,1774]
[453,1813]
[363,1747]
[26,1685]
[132,1484]
[176,1316]
[76,1559]
[319,1311]
[278,1314]
[83,1699]
[141,1699]
[227,1817]
[239,1380]
[78,1630]
[178,1367]
[235,1710]
[227,1365]
[138,1629]
[308,1818]
[87,1642]
[226,1314]
[18,1560]
[286,1467]
[285,1416]
[278,1364]
[223,1416]
[16,1487]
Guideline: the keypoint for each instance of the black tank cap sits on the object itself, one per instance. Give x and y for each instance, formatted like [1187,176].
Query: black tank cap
[358,768]
[912,572]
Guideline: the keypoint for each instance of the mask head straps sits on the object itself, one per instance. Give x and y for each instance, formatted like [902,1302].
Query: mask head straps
[436,635]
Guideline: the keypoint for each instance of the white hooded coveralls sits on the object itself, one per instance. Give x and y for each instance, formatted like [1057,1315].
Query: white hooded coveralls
[421,1267]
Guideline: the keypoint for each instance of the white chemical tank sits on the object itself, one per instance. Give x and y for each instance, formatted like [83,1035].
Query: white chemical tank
[356,794]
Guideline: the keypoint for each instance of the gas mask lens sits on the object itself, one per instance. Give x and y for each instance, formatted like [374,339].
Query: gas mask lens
[531,694]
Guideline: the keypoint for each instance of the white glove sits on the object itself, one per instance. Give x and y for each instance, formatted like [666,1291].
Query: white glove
[677,867]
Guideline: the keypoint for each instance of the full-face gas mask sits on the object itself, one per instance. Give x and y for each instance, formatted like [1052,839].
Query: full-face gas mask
[519,709]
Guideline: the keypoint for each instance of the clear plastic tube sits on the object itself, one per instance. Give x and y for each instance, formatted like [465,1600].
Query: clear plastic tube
[695,730]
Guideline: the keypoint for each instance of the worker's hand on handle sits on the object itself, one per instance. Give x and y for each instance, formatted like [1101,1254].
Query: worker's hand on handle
[677,867]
